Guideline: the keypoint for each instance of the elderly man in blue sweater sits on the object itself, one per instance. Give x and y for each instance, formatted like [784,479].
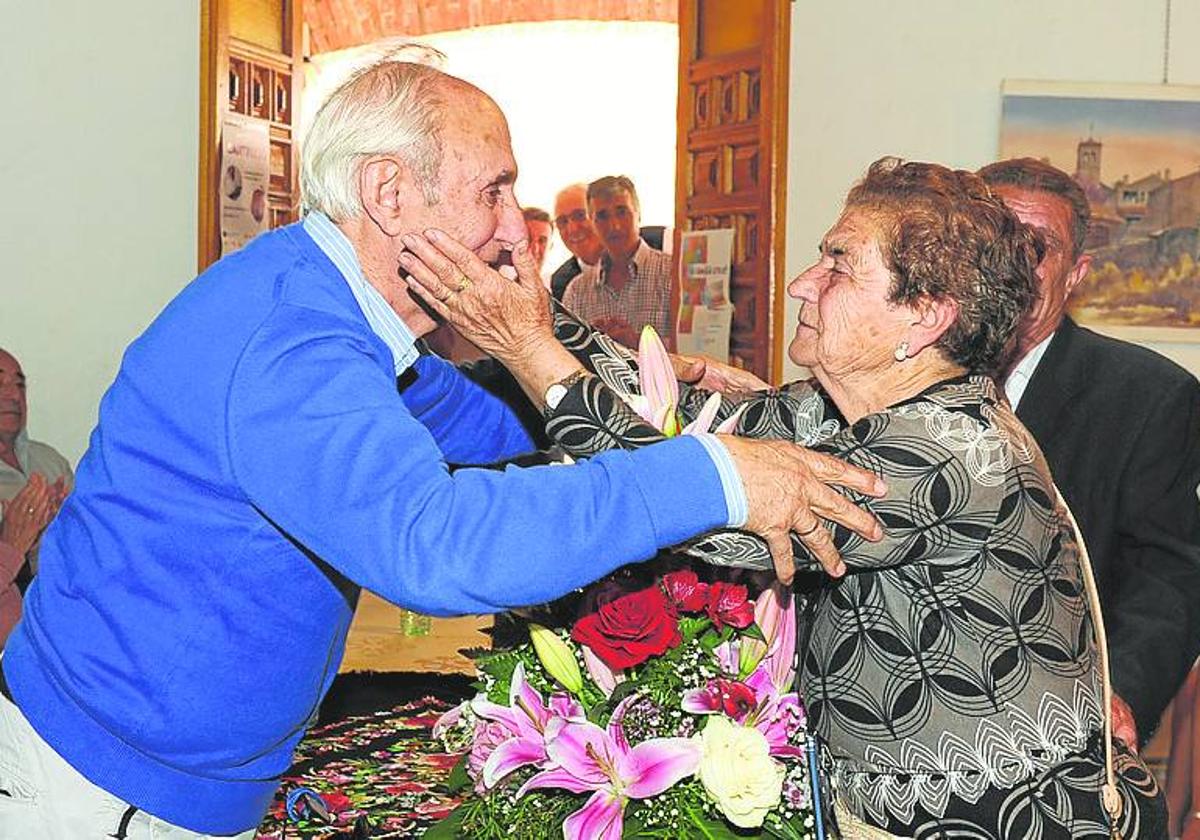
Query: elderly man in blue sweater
[254,466]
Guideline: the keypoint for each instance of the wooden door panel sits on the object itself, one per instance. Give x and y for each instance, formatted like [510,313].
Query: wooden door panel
[731,172]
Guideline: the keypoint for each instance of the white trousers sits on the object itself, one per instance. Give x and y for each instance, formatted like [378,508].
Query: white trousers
[41,796]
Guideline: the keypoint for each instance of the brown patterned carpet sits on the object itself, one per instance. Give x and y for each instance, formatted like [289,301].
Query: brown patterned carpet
[372,759]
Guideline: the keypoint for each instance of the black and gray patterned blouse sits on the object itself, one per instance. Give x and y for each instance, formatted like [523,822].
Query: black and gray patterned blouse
[952,673]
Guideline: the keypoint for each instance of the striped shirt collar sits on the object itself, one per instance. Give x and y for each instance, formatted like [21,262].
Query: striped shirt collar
[636,263]
[382,319]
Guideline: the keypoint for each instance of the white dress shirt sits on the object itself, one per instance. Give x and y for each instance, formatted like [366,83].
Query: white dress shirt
[1018,380]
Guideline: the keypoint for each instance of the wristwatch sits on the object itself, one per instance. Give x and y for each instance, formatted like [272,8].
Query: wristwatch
[556,391]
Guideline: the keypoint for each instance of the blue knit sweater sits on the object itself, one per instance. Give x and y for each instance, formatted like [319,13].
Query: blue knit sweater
[252,467]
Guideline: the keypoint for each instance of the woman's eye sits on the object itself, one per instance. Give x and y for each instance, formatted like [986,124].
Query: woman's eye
[491,196]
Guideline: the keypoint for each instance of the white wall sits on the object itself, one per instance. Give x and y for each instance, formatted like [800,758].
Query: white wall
[579,105]
[98,162]
[921,79]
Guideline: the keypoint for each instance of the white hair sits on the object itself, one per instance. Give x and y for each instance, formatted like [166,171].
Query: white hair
[389,107]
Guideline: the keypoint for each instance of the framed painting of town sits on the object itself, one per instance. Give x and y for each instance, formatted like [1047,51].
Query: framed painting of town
[1135,150]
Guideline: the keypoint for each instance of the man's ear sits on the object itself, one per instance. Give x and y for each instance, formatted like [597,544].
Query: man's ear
[1078,271]
[932,317]
[384,189]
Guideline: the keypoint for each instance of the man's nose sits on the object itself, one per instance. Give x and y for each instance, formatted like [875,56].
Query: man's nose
[512,227]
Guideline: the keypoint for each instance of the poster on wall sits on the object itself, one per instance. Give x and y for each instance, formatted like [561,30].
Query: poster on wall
[1135,150]
[705,313]
[245,172]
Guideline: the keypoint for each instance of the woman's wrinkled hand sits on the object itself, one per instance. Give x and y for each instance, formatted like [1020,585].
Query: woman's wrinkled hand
[712,375]
[508,319]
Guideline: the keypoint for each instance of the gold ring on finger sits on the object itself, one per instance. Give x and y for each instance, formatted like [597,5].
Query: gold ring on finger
[811,530]
[464,283]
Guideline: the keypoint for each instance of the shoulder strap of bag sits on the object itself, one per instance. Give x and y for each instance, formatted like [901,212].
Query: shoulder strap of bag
[1109,794]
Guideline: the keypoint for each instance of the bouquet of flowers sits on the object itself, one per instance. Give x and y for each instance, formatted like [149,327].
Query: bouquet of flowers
[667,712]
[663,712]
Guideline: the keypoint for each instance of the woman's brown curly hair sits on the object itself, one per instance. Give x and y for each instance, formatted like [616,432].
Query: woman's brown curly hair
[946,236]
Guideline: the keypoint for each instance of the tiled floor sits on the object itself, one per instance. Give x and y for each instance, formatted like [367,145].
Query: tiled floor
[379,641]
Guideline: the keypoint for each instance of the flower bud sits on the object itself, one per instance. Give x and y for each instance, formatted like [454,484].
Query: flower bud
[556,657]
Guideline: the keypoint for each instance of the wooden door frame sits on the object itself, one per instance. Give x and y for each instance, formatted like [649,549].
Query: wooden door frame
[213,96]
[214,84]
[781,70]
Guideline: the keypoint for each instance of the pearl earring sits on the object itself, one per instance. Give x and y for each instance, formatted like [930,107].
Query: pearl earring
[901,351]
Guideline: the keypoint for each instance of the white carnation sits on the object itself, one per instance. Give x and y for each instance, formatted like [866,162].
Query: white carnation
[737,771]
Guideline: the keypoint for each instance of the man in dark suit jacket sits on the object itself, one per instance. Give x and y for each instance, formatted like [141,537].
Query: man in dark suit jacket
[1120,427]
[577,233]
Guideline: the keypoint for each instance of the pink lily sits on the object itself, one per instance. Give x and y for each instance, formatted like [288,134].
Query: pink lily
[775,615]
[449,719]
[738,657]
[706,416]
[659,396]
[525,719]
[709,413]
[657,378]
[728,655]
[735,699]
[659,401]
[603,676]
[585,757]
[729,425]
[779,717]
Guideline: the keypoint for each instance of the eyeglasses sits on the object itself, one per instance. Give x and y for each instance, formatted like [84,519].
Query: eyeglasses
[576,216]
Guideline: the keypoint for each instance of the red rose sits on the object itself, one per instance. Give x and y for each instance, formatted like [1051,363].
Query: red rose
[727,604]
[630,629]
[685,590]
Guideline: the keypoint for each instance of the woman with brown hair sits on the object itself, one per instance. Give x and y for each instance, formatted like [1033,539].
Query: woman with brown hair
[951,672]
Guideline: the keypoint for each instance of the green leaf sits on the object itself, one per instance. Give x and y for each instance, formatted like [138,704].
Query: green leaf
[632,826]
[692,626]
[459,779]
[602,710]
[715,829]
[779,829]
[449,828]
[753,631]
[710,640]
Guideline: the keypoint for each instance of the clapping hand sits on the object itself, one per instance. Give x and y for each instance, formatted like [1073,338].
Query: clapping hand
[28,513]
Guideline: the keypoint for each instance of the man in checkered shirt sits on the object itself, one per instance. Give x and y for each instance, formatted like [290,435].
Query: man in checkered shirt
[631,284]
